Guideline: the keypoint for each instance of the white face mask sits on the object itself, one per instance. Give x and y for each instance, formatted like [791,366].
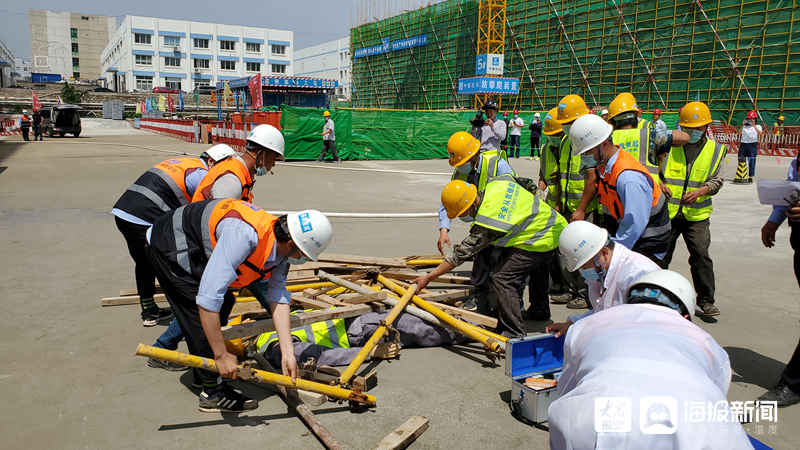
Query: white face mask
[298,261]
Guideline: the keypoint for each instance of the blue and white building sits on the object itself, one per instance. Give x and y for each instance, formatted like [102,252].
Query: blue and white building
[8,70]
[146,52]
[330,60]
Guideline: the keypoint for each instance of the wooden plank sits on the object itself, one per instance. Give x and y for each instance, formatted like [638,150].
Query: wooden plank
[452,279]
[356,259]
[246,307]
[404,435]
[300,274]
[374,297]
[449,294]
[470,316]
[309,303]
[405,285]
[129,300]
[299,320]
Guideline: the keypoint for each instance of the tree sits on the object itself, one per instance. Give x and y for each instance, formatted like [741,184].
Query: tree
[71,95]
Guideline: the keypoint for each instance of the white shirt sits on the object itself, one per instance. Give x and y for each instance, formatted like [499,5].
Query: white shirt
[625,269]
[749,133]
[517,130]
[634,352]
[329,125]
[228,185]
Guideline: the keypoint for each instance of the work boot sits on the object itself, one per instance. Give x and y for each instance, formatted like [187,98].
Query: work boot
[577,303]
[226,399]
[168,366]
[153,316]
[709,309]
[538,316]
[560,299]
[782,394]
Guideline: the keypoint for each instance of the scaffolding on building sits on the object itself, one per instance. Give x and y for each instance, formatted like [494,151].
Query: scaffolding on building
[733,55]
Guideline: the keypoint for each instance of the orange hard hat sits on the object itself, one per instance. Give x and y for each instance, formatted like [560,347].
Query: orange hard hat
[570,108]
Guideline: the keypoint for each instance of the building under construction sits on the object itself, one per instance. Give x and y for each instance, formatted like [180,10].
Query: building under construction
[735,55]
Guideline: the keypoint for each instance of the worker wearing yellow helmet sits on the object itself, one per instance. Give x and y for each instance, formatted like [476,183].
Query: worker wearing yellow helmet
[525,230]
[328,139]
[475,167]
[689,198]
[777,126]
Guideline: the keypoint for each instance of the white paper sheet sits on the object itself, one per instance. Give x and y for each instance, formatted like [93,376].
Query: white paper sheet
[776,192]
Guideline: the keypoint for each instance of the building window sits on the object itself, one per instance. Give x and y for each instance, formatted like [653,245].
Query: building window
[76,63]
[84,18]
[74,49]
[200,43]
[253,67]
[278,49]
[173,83]
[253,47]
[140,38]
[341,56]
[144,83]
[227,65]
[202,63]
[172,41]
[76,75]
[199,83]
[171,61]
[144,60]
[227,45]
[341,74]
[278,68]
[73,33]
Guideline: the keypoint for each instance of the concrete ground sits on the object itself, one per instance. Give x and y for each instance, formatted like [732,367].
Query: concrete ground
[69,379]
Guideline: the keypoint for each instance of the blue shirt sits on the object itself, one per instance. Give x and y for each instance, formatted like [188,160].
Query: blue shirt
[236,241]
[503,168]
[779,211]
[636,194]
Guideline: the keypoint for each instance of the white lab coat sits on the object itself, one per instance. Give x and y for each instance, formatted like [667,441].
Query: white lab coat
[625,269]
[638,351]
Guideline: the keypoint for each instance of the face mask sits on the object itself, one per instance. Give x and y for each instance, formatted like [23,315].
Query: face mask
[466,218]
[555,141]
[298,261]
[326,119]
[566,129]
[515,116]
[588,160]
[589,274]
[464,169]
[261,171]
[695,136]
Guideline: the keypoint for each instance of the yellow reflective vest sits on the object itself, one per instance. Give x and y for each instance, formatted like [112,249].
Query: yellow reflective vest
[572,179]
[488,163]
[528,223]
[330,333]
[681,179]
[636,141]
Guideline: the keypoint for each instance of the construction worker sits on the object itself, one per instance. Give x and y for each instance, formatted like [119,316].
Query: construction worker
[563,177]
[525,230]
[609,268]
[604,115]
[201,249]
[328,139]
[632,372]
[233,178]
[25,124]
[491,132]
[777,126]
[657,122]
[516,133]
[694,173]
[168,185]
[474,167]
[625,188]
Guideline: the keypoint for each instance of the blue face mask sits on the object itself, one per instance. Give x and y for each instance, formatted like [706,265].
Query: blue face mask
[695,136]
[464,169]
[554,141]
[261,171]
[589,274]
[588,160]
[298,261]
[566,129]
[466,218]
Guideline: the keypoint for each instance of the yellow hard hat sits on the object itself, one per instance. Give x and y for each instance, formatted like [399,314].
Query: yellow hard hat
[694,114]
[570,108]
[551,125]
[624,102]
[457,197]
[326,114]
[461,147]
[235,346]
[781,118]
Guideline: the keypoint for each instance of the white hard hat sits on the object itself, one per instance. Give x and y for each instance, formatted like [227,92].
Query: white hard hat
[667,280]
[220,152]
[268,137]
[311,231]
[580,241]
[536,115]
[604,112]
[24,111]
[587,132]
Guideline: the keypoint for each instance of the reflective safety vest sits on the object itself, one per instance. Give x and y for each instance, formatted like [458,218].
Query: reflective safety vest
[330,333]
[656,235]
[572,179]
[160,189]
[230,165]
[636,141]
[488,162]
[187,237]
[681,179]
[528,223]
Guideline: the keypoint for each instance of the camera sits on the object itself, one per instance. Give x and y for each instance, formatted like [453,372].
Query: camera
[477,122]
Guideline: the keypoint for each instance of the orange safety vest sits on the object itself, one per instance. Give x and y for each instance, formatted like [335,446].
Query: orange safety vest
[178,169]
[230,165]
[252,269]
[607,184]
[24,118]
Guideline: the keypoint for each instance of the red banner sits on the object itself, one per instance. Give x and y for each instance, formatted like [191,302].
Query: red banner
[255,91]
[170,105]
[36,105]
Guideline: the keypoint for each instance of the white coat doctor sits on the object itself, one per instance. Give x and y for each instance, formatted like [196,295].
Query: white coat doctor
[609,268]
[642,376]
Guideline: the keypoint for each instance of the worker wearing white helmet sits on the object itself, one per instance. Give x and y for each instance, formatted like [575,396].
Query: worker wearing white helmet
[234,177]
[609,268]
[201,250]
[632,373]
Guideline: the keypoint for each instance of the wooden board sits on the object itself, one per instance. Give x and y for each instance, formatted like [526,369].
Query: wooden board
[309,303]
[300,275]
[375,297]
[470,316]
[452,279]
[299,320]
[356,259]
[449,294]
[129,300]
[246,307]
[404,435]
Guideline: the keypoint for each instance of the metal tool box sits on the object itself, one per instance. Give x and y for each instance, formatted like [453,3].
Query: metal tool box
[542,354]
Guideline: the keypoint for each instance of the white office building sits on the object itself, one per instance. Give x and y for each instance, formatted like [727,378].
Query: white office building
[23,68]
[8,71]
[146,52]
[330,60]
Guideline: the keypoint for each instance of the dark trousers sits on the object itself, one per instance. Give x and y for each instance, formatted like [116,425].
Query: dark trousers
[145,275]
[512,268]
[747,153]
[479,277]
[791,374]
[181,292]
[328,145]
[37,132]
[535,146]
[513,140]
[25,131]
[698,238]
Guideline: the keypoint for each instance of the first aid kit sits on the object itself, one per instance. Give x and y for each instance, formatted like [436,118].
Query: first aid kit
[534,364]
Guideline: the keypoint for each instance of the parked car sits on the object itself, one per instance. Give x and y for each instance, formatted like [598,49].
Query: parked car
[164,90]
[60,120]
[99,89]
[206,90]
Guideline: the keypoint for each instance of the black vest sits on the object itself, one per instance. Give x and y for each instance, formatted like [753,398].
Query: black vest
[151,196]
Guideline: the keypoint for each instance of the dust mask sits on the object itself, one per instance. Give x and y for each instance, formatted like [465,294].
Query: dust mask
[695,136]
[464,169]
[554,141]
